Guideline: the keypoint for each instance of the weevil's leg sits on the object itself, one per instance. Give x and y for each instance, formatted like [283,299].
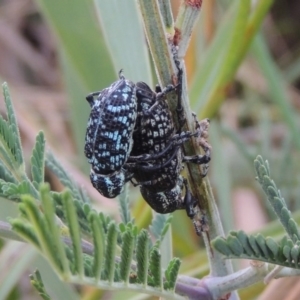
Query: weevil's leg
[189,200]
[158,166]
[168,89]
[202,130]
[176,140]
[200,159]
[201,126]
[194,212]
[147,157]
[90,97]
[121,76]
[200,222]
[145,183]
[197,159]
[158,89]
[159,96]
[128,175]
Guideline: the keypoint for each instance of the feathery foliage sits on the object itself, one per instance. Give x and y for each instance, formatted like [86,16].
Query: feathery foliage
[124,205]
[37,283]
[142,256]
[128,238]
[171,273]
[11,140]
[159,226]
[38,161]
[275,199]
[74,262]
[285,252]
[119,257]
[53,164]
[14,181]
[56,223]
[155,268]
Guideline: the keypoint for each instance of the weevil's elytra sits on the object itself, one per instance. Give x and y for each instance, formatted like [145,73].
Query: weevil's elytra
[166,201]
[108,139]
[159,178]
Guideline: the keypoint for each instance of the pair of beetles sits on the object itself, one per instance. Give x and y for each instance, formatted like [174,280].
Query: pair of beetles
[131,137]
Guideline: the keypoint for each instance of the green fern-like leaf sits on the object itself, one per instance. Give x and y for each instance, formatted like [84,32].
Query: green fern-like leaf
[256,247]
[82,210]
[155,268]
[99,243]
[11,132]
[261,242]
[64,177]
[6,174]
[37,283]
[26,231]
[43,213]
[142,256]
[273,247]
[74,231]
[105,220]
[44,230]
[38,161]
[124,205]
[53,235]
[7,146]
[160,225]
[171,273]
[234,245]
[243,239]
[126,255]
[111,242]
[275,198]
[6,136]
[88,264]
[15,191]
[39,225]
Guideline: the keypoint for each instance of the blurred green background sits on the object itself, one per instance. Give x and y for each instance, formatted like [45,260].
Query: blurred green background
[246,79]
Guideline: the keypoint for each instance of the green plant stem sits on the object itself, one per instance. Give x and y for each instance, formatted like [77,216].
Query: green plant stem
[122,286]
[166,13]
[157,41]
[200,187]
[185,22]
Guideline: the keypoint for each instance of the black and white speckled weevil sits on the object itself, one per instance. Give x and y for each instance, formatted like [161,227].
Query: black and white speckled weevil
[130,134]
[157,152]
[108,140]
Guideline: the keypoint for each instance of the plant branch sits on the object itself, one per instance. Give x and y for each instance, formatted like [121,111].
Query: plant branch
[165,68]
[185,22]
